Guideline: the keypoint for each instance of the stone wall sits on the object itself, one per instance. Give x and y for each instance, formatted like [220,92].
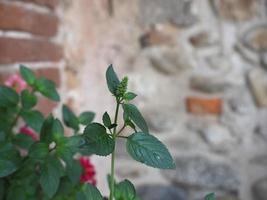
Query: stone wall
[30,35]
[200,75]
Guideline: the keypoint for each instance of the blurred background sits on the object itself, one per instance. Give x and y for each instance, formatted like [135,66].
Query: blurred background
[199,68]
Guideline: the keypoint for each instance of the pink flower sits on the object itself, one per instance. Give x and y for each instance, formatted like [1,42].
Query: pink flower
[16,82]
[28,131]
[88,175]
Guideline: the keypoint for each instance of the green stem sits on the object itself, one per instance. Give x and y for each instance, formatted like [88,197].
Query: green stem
[111,196]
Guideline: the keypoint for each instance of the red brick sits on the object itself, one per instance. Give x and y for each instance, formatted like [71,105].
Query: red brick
[47,3]
[18,18]
[14,50]
[46,106]
[51,73]
[199,105]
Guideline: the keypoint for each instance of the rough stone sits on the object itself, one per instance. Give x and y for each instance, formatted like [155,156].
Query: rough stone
[48,3]
[199,171]
[217,136]
[236,9]
[160,120]
[259,189]
[168,60]
[158,11]
[258,83]
[160,192]
[261,160]
[208,84]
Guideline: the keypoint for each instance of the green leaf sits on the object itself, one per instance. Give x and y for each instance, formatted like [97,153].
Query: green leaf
[46,130]
[125,190]
[147,149]
[97,140]
[112,80]
[39,150]
[23,141]
[134,114]
[33,118]
[89,192]
[27,75]
[28,100]
[57,130]
[50,176]
[74,172]
[9,159]
[8,97]
[86,118]
[47,88]
[70,118]
[210,196]
[129,96]
[106,120]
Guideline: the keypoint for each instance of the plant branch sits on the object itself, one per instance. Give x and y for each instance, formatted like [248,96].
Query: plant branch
[113,153]
[121,130]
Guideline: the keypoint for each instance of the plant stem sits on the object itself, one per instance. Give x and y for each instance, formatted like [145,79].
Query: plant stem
[113,153]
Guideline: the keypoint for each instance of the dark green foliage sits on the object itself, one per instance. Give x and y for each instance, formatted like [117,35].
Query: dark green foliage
[49,170]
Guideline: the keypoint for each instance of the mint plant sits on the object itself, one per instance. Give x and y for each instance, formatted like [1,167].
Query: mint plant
[37,161]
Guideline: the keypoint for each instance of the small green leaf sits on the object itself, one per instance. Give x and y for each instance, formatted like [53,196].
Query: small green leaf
[134,114]
[9,159]
[89,192]
[97,140]
[46,130]
[106,119]
[50,176]
[112,80]
[28,100]
[74,172]
[129,96]
[33,118]
[27,75]
[210,196]
[70,118]
[147,149]
[39,150]
[86,118]
[57,130]
[22,140]
[8,97]
[47,88]
[125,190]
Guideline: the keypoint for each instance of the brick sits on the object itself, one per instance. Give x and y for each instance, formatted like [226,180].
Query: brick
[199,105]
[14,50]
[18,18]
[46,106]
[47,3]
[52,73]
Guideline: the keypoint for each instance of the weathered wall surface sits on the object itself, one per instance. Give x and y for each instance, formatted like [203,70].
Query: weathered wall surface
[199,69]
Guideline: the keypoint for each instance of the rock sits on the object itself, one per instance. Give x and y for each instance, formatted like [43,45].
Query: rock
[261,160]
[168,60]
[208,84]
[158,11]
[259,189]
[262,125]
[201,172]
[252,42]
[257,79]
[236,9]
[160,192]
[160,34]
[160,120]
[201,39]
[217,136]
